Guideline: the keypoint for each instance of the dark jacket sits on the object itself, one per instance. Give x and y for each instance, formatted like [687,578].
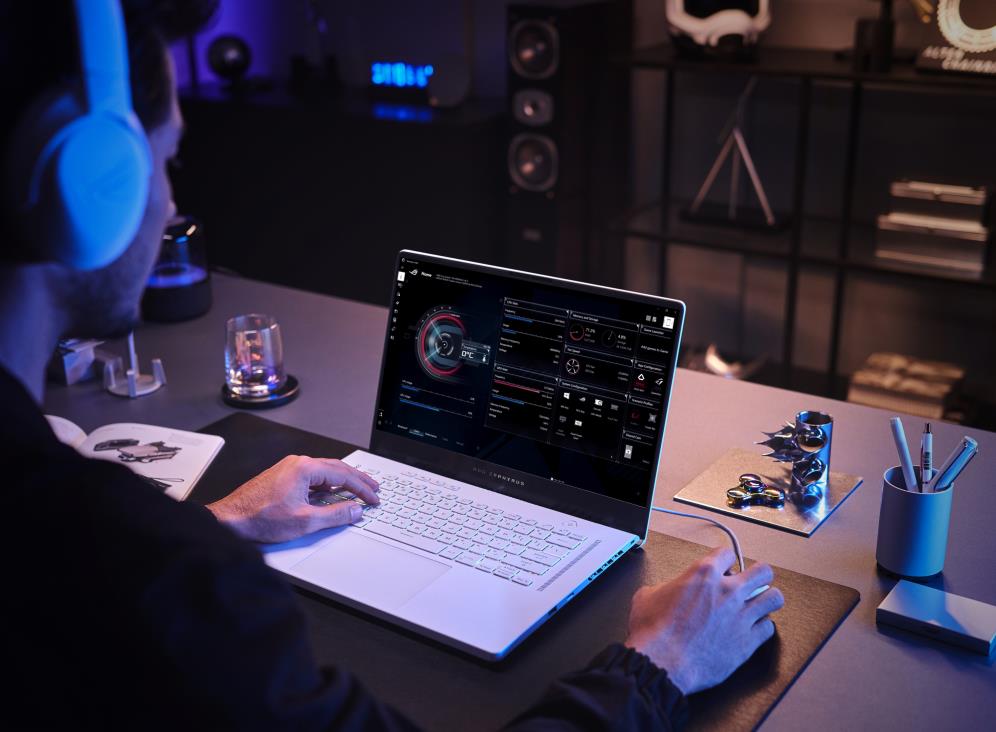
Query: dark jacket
[124,608]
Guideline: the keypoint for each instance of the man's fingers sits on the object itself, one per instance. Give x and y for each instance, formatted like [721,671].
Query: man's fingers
[761,632]
[337,514]
[719,560]
[756,576]
[359,473]
[763,605]
[320,473]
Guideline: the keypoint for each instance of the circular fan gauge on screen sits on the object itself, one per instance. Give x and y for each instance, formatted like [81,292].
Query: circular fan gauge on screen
[438,343]
[723,27]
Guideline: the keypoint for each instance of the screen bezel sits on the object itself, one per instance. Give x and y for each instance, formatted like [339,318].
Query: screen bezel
[555,495]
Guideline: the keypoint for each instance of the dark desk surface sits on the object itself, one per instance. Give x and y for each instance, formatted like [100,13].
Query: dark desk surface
[862,679]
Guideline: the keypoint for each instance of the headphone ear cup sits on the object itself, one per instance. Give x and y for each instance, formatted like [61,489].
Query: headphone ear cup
[98,177]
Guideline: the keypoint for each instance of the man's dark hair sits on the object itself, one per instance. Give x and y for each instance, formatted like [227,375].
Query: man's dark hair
[39,51]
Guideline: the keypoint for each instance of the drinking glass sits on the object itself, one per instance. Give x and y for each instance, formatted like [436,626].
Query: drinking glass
[254,356]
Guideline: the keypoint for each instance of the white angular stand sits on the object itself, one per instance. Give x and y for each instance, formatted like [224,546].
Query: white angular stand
[134,384]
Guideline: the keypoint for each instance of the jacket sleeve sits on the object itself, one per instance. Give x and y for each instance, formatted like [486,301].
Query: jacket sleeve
[621,689]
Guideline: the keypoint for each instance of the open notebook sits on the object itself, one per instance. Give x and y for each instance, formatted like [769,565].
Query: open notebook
[171,460]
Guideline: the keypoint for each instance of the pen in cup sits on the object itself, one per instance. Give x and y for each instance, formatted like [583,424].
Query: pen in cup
[926,456]
[905,461]
[956,462]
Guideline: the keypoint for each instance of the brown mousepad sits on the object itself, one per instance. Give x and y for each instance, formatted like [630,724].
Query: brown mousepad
[443,689]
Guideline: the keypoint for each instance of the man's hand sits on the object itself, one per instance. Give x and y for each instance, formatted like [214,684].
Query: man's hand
[274,506]
[701,627]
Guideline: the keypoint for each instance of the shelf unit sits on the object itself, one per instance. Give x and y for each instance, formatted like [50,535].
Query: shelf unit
[843,246]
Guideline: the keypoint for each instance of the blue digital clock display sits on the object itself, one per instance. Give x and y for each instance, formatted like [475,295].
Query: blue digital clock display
[400,75]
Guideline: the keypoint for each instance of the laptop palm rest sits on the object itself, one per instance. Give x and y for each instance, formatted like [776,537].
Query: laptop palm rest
[369,571]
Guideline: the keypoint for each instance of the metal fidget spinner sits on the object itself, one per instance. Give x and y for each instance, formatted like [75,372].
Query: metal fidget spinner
[752,491]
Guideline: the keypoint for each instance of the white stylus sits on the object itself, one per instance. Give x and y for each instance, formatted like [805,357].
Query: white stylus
[905,461]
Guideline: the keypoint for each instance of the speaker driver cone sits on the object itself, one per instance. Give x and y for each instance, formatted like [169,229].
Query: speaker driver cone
[534,49]
[533,162]
[532,107]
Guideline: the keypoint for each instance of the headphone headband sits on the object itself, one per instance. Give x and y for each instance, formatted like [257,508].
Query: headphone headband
[104,56]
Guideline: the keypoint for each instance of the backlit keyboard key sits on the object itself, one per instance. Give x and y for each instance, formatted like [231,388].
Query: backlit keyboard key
[504,572]
[564,541]
[406,537]
[450,552]
[487,565]
[526,564]
[540,557]
[519,579]
[468,559]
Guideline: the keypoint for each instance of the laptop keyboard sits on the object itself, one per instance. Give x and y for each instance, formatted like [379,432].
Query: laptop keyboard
[430,515]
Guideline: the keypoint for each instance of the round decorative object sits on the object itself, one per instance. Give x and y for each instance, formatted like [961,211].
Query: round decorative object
[533,162]
[284,395]
[534,49]
[229,57]
[573,366]
[753,491]
[959,34]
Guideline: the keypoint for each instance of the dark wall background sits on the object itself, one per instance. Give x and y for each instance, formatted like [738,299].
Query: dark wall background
[733,300]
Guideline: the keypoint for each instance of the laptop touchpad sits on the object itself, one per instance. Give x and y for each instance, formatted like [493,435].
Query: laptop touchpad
[368,570]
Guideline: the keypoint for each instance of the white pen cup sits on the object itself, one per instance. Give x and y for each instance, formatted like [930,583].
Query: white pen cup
[912,527]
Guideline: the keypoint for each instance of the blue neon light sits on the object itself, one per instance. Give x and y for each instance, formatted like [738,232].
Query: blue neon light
[400,75]
[402,112]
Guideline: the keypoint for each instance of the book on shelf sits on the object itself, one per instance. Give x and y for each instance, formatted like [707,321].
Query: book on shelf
[936,226]
[905,384]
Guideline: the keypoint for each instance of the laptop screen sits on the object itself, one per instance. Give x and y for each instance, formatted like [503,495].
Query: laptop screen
[566,383]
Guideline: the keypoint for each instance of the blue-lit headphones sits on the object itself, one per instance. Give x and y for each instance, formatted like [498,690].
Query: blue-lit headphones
[84,185]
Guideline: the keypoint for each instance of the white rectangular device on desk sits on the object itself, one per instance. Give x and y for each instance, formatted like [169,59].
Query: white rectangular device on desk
[516,439]
[953,619]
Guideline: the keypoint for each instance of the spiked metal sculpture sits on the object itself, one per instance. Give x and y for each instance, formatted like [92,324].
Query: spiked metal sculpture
[805,444]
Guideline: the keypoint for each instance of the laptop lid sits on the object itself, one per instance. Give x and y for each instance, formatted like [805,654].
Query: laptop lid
[548,390]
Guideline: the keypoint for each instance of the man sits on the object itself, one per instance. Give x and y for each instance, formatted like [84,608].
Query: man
[126,609]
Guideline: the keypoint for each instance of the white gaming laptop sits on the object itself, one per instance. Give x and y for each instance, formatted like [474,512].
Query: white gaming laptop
[516,439]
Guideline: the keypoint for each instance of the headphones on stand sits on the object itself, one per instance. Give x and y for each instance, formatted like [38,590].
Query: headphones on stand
[708,28]
[81,159]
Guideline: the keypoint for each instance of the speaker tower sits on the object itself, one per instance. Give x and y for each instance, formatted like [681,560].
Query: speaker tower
[567,148]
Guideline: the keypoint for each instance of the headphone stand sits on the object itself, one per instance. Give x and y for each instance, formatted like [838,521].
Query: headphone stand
[734,143]
[135,383]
